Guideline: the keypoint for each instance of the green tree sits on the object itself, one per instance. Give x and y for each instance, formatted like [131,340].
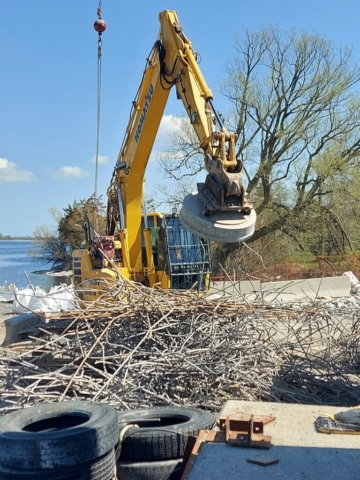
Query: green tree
[55,245]
[70,226]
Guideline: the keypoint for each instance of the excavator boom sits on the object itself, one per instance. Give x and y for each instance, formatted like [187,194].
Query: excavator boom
[170,250]
[219,210]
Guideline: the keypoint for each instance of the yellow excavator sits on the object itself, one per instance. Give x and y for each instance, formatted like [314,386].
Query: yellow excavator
[170,250]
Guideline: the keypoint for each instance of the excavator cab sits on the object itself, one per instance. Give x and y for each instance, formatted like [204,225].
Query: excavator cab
[182,259]
[188,257]
[171,256]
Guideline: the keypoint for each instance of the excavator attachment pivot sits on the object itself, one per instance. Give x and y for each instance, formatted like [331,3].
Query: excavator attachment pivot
[223,226]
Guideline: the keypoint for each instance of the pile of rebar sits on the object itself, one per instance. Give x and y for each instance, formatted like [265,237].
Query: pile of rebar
[139,347]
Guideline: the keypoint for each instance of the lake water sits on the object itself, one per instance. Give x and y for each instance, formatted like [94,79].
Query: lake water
[14,261]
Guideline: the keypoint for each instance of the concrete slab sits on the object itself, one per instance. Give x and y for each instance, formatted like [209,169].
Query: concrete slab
[17,327]
[282,291]
[219,462]
[302,452]
[236,288]
[311,288]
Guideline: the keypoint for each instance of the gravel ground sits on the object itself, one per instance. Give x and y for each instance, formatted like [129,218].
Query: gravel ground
[5,312]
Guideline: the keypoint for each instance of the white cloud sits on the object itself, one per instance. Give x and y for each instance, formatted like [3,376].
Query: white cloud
[9,173]
[168,125]
[69,173]
[102,159]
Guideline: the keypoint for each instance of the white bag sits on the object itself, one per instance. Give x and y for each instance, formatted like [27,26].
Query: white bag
[63,296]
[60,298]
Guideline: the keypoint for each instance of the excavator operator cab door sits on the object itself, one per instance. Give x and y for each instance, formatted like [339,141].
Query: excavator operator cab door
[154,223]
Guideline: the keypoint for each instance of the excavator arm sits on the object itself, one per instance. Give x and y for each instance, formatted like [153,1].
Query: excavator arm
[219,210]
[179,67]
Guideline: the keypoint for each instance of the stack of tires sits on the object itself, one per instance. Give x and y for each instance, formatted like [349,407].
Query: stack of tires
[153,441]
[58,441]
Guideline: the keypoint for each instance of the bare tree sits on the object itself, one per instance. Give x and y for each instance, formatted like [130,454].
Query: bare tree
[295,108]
[182,157]
[50,249]
[296,111]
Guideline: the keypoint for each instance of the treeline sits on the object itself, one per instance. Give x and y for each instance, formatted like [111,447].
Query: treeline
[9,237]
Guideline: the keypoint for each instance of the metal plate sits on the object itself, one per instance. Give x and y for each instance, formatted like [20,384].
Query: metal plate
[222,227]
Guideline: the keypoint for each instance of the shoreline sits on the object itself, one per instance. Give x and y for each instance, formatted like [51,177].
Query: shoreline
[50,273]
[8,288]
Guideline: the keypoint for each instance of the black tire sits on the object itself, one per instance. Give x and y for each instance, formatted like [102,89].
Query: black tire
[56,435]
[163,431]
[162,470]
[101,469]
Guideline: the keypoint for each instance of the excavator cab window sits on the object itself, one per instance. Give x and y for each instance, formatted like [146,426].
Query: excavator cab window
[153,222]
[189,262]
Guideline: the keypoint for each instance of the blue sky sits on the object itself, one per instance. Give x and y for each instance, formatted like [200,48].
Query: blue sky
[48,85]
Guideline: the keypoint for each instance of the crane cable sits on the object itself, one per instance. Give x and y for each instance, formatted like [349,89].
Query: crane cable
[99,26]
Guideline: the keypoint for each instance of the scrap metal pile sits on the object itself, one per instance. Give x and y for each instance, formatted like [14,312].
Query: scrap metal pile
[142,347]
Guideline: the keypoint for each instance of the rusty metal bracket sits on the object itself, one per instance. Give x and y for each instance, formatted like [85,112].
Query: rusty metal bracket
[241,430]
[245,430]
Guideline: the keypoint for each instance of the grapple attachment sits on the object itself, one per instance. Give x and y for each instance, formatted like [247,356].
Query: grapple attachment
[223,226]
